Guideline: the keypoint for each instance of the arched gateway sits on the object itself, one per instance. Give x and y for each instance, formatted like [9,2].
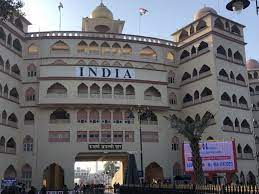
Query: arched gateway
[53,177]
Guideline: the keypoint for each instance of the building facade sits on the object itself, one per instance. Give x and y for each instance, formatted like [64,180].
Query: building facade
[66,96]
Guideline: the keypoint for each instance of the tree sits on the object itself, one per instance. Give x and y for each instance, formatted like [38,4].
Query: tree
[110,168]
[10,8]
[193,130]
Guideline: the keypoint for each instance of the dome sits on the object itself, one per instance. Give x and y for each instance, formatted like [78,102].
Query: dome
[252,64]
[202,12]
[102,11]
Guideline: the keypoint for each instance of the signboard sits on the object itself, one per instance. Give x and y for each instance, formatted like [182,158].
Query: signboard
[8,182]
[140,174]
[216,156]
[105,72]
[105,146]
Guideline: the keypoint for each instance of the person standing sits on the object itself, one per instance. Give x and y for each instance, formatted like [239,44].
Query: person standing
[43,190]
[32,190]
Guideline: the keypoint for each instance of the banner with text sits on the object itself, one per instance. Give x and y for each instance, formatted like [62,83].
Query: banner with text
[216,156]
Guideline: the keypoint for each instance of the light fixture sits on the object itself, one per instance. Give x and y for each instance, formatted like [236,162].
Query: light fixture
[237,5]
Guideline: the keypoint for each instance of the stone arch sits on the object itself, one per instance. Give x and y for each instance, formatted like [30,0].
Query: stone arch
[10,172]
[59,114]
[148,52]
[82,47]
[221,51]
[33,49]
[57,89]
[186,76]
[60,46]
[201,25]
[183,35]
[30,94]
[152,93]
[53,176]
[202,45]
[29,118]
[154,172]
[219,24]
[184,54]
[17,45]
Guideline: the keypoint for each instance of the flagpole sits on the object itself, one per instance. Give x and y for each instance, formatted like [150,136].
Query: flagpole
[59,18]
[139,25]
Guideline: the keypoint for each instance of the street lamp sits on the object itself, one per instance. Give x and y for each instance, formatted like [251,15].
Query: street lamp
[143,114]
[239,5]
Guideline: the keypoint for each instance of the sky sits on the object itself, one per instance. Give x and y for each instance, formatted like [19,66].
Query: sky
[164,18]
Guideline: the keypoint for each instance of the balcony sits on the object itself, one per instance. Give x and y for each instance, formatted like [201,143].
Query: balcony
[225,102]
[152,98]
[59,121]
[10,150]
[228,128]
[12,98]
[206,98]
[95,95]
[248,156]
[245,130]
[56,95]
[12,124]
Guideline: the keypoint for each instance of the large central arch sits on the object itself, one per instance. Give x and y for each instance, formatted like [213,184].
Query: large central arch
[53,177]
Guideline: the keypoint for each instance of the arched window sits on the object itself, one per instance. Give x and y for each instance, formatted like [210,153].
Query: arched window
[14,94]
[148,52]
[228,124]
[4,116]
[28,144]
[11,146]
[237,126]
[223,74]
[33,49]
[240,78]
[152,94]
[227,26]
[187,98]
[17,45]
[170,56]
[117,117]
[175,143]
[82,90]
[245,127]
[183,35]
[6,91]
[118,92]
[94,91]
[60,46]
[250,76]
[130,92]
[57,90]
[252,91]
[27,175]
[234,99]
[171,77]
[15,70]
[196,95]
[255,75]
[93,48]
[206,93]
[30,94]
[189,119]
[251,179]
[238,56]
[235,30]
[193,51]
[82,47]
[29,118]
[105,49]
[221,51]
[248,152]
[106,117]
[116,49]
[31,70]
[204,69]
[12,120]
[59,116]
[2,144]
[239,151]
[2,34]
[184,55]
[1,63]
[230,55]
[219,24]
[106,91]
[172,98]
[127,50]
[186,76]
[201,25]
[211,116]
[94,116]
[7,66]
[203,45]
[82,116]
[243,102]
[197,118]
[10,173]
[210,138]
[18,24]
[9,40]
[225,99]
[191,30]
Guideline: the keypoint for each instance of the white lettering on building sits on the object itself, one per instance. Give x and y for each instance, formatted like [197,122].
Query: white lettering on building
[105,72]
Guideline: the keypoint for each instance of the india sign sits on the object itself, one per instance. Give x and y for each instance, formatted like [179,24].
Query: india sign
[216,156]
[105,72]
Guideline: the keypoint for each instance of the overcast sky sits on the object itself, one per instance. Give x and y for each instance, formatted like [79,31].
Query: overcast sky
[164,18]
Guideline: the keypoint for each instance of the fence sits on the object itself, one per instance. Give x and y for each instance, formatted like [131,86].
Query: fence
[189,189]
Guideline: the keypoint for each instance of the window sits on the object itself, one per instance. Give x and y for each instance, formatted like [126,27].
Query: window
[60,115]
[175,143]
[148,136]
[93,136]
[129,136]
[27,175]
[118,136]
[219,24]
[82,47]
[106,136]
[82,116]
[201,25]
[31,71]
[60,46]
[30,94]
[28,144]
[17,45]
[29,118]
[81,136]
[183,35]
[2,34]
[127,50]
[94,116]
[148,52]
[57,90]
[117,117]
[221,51]
[106,117]
[33,49]
[184,55]
[171,77]
[59,136]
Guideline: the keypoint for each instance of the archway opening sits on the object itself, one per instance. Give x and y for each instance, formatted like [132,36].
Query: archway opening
[154,173]
[53,177]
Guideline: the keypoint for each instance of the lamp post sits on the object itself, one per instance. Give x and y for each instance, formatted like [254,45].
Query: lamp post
[143,114]
[239,5]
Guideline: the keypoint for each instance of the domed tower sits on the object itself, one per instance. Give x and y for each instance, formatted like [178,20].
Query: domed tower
[101,20]
[203,11]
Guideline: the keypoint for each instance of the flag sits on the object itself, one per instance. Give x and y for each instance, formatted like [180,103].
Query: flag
[60,6]
[143,11]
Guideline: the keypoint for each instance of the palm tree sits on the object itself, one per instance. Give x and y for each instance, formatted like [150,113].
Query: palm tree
[193,130]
